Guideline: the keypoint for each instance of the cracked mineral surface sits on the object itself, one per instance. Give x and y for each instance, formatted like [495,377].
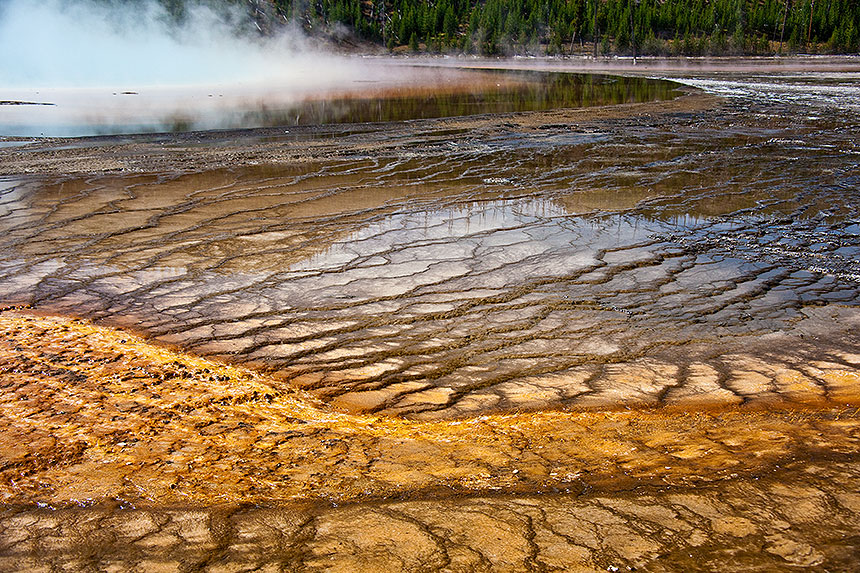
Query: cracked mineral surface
[572,339]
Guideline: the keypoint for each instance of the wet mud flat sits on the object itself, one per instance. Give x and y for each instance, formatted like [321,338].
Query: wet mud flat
[621,336]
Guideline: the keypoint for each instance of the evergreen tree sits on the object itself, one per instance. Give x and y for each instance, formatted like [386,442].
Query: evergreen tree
[685,27]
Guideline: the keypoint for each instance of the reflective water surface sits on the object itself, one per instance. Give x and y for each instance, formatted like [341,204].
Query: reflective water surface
[528,266]
[374,94]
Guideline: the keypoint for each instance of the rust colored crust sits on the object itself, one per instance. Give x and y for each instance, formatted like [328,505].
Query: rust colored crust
[89,413]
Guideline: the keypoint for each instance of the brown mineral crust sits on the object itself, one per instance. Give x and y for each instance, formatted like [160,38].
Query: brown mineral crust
[92,414]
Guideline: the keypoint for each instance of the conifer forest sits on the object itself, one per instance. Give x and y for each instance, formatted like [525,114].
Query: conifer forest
[601,27]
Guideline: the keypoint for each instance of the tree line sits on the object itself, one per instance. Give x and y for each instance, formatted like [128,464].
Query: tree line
[601,27]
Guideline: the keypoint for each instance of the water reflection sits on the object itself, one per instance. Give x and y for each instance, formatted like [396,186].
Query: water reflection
[463,307]
[533,263]
[502,92]
[423,93]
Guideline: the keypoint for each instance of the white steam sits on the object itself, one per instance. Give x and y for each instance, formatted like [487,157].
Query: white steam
[84,43]
[112,66]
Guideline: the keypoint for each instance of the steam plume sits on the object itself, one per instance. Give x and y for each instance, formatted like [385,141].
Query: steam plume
[111,66]
[100,42]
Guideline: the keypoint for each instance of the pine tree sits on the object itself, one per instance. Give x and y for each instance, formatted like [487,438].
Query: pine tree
[517,26]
